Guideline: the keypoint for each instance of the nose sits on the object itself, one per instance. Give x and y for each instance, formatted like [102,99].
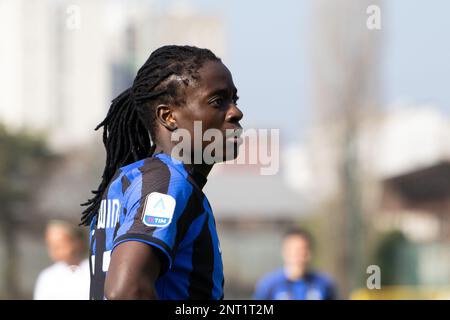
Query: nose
[234,114]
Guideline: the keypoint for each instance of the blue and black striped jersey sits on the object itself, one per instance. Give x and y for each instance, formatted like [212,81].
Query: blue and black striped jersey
[160,202]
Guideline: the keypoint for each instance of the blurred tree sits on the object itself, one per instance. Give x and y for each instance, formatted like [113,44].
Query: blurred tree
[397,258]
[345,92]
[24,161]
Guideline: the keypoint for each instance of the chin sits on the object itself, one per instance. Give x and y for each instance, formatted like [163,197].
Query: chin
[229,152]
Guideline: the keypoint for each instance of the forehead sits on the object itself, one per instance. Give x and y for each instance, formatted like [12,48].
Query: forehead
[296,239]
[56,231]
[214,76]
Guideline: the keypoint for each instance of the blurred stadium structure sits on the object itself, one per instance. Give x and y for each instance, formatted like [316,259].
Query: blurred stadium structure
[371,183]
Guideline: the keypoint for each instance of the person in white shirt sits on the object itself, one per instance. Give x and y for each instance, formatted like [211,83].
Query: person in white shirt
[68,278]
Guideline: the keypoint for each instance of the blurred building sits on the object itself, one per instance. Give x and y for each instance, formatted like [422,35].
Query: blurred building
[63,61]
[55,74]
[413,170]
[404,169]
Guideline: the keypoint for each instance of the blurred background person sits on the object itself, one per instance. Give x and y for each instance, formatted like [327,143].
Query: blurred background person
[296,280]
[68,277]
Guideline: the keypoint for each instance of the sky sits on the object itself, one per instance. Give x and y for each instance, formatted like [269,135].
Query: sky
[268,43]
[417,51]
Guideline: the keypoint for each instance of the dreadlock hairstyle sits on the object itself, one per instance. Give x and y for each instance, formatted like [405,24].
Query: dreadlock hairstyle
[129,126]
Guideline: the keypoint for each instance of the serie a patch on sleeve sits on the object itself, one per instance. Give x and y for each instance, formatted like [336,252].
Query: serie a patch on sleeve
[158,210]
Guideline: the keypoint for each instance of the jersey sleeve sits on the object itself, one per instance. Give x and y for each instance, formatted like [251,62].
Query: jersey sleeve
[152,211]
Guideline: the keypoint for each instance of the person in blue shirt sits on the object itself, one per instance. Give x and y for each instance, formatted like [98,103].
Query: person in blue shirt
[295,281]
[153,232]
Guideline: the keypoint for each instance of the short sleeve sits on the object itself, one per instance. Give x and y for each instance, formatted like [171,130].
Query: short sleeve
[152,209]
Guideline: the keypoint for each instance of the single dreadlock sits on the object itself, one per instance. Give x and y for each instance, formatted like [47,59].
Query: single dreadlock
[129,126]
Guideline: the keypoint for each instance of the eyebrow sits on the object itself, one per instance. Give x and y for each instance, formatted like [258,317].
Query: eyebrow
[221,91]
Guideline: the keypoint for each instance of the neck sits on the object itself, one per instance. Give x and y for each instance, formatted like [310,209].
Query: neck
[75,261]
[201,168]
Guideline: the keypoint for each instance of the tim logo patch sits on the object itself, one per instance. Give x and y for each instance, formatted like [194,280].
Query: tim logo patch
[158,210]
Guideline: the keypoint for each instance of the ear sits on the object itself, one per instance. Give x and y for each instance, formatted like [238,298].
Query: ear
[165,117]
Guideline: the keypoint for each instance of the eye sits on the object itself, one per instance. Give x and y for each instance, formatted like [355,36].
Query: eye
[235,99]
[217,102]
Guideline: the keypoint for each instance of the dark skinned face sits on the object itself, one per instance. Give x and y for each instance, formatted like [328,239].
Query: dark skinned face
[211,100]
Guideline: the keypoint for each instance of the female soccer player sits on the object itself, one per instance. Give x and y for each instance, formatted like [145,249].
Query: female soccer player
[153,233]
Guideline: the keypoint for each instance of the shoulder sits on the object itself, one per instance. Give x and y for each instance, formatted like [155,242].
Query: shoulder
[321,278]
[149,167]
[51,271]
[155,178]
[154,174]
[273,277]
[84,265]
[267,284]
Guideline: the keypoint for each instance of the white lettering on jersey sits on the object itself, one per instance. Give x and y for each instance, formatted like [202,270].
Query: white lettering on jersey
[106,260]
[108,215]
